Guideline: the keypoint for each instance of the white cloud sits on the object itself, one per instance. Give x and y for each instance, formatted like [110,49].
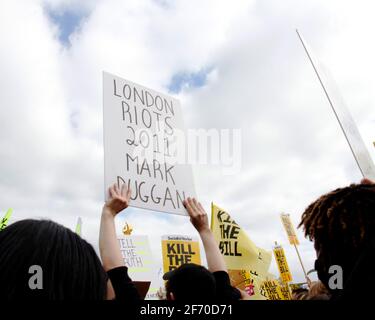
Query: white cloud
[51,133]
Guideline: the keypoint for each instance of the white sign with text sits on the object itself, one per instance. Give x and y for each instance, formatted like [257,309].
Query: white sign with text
[142,131]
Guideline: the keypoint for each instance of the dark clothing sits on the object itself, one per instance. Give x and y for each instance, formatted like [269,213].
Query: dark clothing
[123,286]
[360,281]
[224,291]
[125,290]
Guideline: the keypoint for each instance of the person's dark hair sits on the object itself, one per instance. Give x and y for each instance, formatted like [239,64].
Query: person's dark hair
[191,282]
[71,268]
[342,225]
[299,294]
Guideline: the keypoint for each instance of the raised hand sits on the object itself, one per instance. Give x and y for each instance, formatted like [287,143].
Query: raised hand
[367,181]
[198,216]
[118,199]
[199,220]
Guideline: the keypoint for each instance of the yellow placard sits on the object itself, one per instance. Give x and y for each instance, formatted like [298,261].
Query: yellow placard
[282,264]
[250,283]
[287,223]
[240,253]
[259,292]
[178,250]
[273,290]
[285,291]
[297,286]
[241,279]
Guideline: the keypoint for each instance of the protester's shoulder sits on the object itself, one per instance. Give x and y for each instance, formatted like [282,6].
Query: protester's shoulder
[118,273]
[123,286]
[225,291]
[221,276]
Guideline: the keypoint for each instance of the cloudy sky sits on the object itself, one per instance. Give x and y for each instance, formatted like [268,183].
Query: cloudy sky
[233,64]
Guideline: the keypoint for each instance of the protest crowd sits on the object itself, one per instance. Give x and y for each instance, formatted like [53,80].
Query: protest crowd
[341,224]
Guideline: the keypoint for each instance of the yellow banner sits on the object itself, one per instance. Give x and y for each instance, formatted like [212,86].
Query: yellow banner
[178,250]
[239,252]
[285,219]
[282,264]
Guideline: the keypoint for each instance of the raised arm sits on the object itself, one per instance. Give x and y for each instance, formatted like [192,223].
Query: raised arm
[199,219]
[108,244]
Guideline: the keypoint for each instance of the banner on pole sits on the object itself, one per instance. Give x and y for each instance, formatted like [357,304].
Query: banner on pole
[343,116]
[282,264]
[288,226]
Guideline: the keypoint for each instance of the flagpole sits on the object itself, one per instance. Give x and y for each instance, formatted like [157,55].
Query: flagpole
[300,260]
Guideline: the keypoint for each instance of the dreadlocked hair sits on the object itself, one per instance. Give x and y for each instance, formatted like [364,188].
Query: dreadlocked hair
[341,221]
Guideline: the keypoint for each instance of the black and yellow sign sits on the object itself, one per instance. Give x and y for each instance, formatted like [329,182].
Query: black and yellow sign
[282,264]
[178,250]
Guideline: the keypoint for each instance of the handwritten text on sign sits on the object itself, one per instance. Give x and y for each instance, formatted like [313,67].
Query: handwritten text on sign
[137,256]
[140,134]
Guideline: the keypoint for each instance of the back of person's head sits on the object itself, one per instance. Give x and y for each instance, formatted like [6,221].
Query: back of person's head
[300,294]
[317,287]
[318,291]
[342,225]
[70,267]
[190,282]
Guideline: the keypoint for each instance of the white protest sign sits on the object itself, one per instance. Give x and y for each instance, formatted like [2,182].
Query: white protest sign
[143,131]
[138,258]
[345,119]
